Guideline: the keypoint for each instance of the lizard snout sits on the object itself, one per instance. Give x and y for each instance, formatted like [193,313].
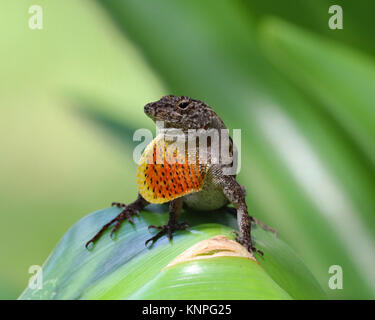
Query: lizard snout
[149,109]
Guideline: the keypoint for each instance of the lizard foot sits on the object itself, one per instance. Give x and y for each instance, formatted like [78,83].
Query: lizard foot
[166,229]
[126,214]
[118,204]
[263,225]
[247,243]
[233,211]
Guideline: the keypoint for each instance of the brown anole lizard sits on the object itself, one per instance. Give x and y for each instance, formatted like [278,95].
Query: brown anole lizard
[199,186]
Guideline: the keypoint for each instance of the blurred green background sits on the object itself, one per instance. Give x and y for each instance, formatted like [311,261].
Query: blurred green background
[73,93]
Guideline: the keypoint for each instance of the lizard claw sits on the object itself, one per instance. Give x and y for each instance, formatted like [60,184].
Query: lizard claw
[236,235]
[253,249]
[247,243]
[118,204]
[263,225]
[151,226]
[166,229]
[126,214]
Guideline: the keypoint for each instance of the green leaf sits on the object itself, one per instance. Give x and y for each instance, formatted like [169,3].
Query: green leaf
[313,15]
[303,174]
[218,278]
[124,268]
[341,77]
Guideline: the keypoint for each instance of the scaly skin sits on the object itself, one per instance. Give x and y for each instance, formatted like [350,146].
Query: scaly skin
[218,189]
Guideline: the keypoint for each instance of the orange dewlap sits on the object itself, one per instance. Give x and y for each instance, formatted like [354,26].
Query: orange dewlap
[172,178]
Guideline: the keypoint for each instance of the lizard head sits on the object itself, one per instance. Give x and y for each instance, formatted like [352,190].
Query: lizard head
[183,112]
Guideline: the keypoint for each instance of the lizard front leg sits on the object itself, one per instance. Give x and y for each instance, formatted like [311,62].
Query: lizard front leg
[126,214]
[235,194]
[175,207]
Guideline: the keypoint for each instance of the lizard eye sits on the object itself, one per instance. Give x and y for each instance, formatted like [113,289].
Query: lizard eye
[183,104]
